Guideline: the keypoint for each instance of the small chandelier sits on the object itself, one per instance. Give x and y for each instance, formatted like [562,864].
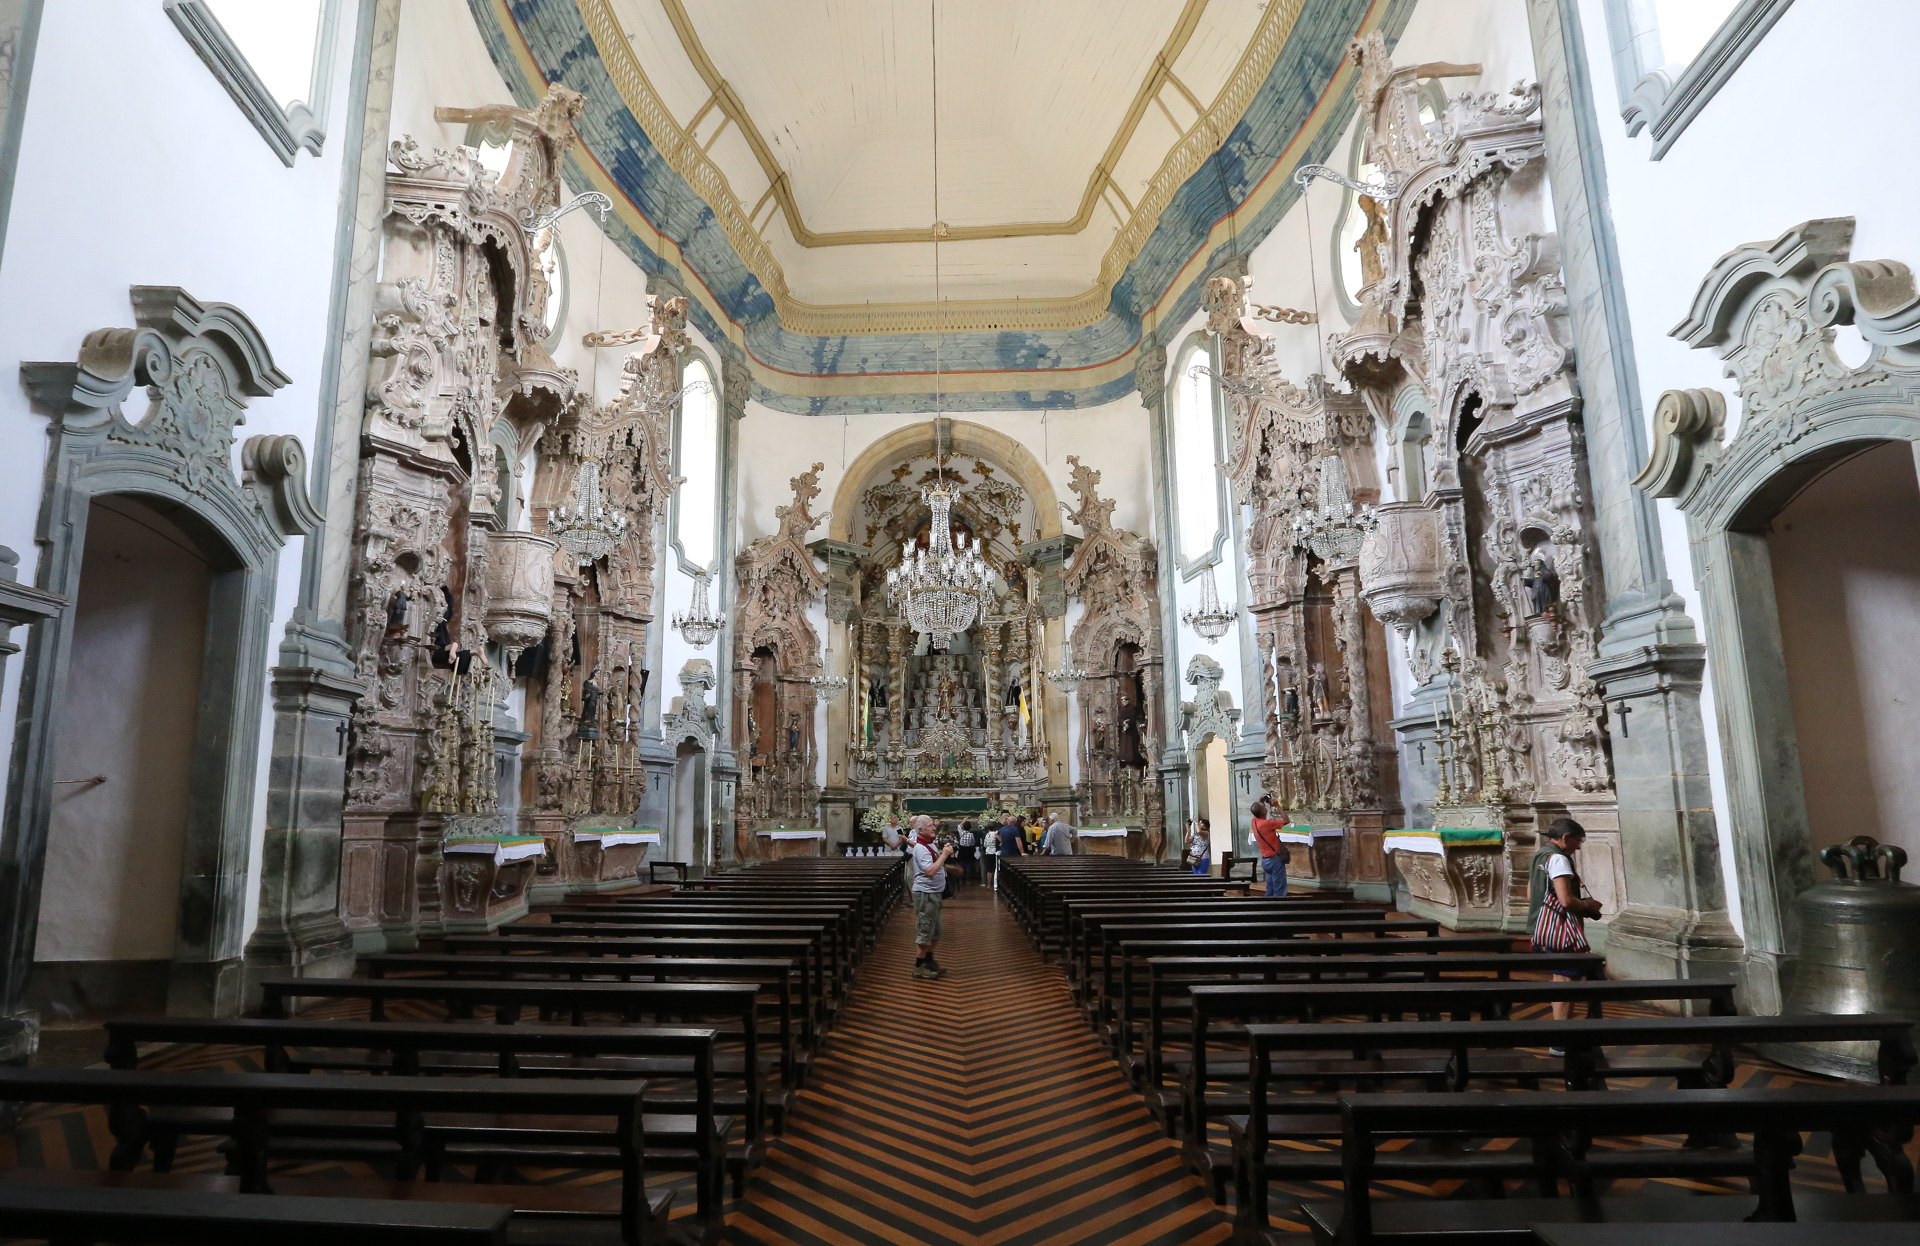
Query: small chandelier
[940,588]
[826,683]
[699,625]
[592,529]
[1067,677]
[1331,530]
[1212,619]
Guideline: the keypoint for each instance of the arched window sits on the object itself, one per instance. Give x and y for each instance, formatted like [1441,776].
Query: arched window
[1199,495]
[1410,465]
[696,457]
[275,61]
[1351,222]
[1671,56]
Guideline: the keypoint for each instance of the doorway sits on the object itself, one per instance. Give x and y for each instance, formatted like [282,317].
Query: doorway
[1846,583]
[688,839]
[125,735]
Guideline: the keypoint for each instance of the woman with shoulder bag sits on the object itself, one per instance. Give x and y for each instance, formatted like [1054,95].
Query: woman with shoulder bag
[1553,892]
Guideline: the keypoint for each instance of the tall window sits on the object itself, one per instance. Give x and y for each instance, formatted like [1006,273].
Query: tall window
[278,40]
[696,449]
[1196,457]
[1671,56]
[275,59]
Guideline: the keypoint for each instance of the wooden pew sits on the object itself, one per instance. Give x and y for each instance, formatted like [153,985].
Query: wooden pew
[833,975]
[1479,1050]
[801,951]
[254,1097]
[1169,978]
[1776,1118]
[778,975]
[630,1001]
[1097,944]
[1310,1001]
[683,1132]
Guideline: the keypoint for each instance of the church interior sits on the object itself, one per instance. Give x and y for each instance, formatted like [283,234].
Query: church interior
[545,543]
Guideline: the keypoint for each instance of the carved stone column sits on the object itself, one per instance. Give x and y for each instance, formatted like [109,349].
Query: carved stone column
[1649,658]
[299,930]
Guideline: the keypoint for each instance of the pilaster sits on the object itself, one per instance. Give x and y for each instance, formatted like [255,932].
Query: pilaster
[1649,661]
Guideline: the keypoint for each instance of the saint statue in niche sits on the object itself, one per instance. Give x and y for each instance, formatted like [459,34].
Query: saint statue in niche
[589,707]
[1543,586]
[1317,691]
[398,608]
[1291,712]
[793,732]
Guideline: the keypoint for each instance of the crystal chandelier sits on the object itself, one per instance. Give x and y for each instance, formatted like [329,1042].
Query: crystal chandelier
[1067,677]
[1211,619]
[940,588]
[699,625]
[1331,530]
[826,683]
[591,529]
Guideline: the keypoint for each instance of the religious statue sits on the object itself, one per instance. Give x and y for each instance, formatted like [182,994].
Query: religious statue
[589,707]
[793,732]
[1371,239]
[1543,586]
[1317,691]
[397,610]
[1291,712]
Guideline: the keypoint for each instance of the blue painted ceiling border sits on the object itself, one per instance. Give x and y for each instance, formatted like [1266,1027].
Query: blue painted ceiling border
[553,34]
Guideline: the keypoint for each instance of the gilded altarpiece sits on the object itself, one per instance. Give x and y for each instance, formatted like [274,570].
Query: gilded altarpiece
[1116,645]
[451,598]
[776,652]
[1486,563]
[1293,453]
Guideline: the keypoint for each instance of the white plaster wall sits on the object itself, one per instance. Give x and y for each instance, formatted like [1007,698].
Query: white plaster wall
[1846,576]
[1792,136]
[136,167]
[112,881]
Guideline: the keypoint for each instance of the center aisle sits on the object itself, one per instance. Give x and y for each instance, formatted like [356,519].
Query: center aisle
[978,1108]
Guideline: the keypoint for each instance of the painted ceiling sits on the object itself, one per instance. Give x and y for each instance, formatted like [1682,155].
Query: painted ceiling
[1098,158]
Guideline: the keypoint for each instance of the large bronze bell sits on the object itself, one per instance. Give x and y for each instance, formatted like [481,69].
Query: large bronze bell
[1859,953]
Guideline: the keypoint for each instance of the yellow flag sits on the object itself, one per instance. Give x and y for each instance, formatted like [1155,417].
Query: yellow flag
[1023,706]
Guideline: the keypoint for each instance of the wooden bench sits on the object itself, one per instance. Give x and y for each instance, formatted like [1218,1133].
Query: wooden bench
[1084,919]
[73,1215]
[832,975]
[630,1001]
[778,976]
[863,908]
[253,1099]
[591,947]
[1561,1128]
[1170,978]
[685,1130]
[1310,1001]
[840,940]
[1479,1050]
[1094,956]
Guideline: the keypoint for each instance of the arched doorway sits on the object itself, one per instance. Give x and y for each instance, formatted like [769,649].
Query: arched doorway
[1846,584]
[143,423]
[123,759]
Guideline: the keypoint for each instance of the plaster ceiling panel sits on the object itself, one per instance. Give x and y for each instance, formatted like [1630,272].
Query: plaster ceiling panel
[736,160]
[1217,45]
[650,30]
[1030,97]
[903,272]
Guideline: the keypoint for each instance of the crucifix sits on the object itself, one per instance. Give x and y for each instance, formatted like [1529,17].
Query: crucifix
[1623,709]
[342,729]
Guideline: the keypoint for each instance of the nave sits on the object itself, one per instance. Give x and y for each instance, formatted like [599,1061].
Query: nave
[990,1106]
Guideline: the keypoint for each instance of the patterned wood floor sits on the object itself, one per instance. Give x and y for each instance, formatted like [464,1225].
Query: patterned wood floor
[975,1109]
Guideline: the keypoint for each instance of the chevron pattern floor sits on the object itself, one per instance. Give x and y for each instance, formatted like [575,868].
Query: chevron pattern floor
[974,1109]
